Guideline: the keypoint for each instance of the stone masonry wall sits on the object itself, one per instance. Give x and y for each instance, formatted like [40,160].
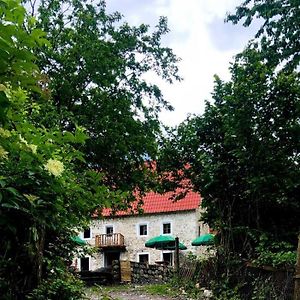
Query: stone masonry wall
[142,273]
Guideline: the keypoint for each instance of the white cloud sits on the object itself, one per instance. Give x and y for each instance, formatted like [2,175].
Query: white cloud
[191,39]
[200,59]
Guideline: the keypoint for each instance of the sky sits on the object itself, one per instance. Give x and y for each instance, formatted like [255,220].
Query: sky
[199,36]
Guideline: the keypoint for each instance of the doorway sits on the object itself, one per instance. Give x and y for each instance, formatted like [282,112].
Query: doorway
[109,257]
[84,264]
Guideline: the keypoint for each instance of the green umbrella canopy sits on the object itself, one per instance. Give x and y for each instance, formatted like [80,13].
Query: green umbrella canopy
[164,242]
[204,240]
[160,242]
[172,247]
[78,240]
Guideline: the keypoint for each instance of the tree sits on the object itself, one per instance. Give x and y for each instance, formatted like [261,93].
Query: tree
[96,68]
[44,198]
[48,189]
[279,34]
[243,157]
[242,154]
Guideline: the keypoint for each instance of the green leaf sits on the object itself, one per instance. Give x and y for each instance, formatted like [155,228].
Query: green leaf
[13,191]
[2,183]
[12,205]
[4,104]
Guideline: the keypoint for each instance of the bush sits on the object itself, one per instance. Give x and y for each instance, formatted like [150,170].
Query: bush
[66,287]
[277,254]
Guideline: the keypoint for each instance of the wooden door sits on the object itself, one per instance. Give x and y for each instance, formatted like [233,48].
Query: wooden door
[125,269]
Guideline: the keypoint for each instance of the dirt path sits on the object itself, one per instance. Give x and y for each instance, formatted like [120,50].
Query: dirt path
[130,295]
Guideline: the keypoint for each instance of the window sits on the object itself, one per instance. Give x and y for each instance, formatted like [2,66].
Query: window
[109,230]
[166,228]
[168,258]
[84,264]
[144,258]
[87,233]
[143,229]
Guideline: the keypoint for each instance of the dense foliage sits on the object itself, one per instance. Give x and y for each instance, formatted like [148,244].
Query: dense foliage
[44,197]
[243,156]
[243,153]
[279,33]
[97,67]
[77,121]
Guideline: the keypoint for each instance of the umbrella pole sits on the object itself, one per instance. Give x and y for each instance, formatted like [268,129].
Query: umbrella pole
[176,262]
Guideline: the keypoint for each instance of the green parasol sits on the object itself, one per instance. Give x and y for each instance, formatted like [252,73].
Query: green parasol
[160,241]
[78,240]
[204,240]
[164,242]
[172,247]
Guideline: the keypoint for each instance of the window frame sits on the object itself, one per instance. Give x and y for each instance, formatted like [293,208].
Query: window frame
[143,253]
[162,227]
[91,235]
[168,252]
[109,226]
[139,229]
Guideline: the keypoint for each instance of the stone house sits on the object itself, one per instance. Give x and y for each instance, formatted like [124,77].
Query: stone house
[123,236]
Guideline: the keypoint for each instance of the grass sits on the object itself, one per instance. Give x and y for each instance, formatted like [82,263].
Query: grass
[159,289]
[152,289]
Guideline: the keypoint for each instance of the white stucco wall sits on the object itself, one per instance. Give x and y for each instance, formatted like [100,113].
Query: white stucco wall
[184,225]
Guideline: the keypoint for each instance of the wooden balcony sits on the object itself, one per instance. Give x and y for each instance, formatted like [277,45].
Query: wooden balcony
[114,240]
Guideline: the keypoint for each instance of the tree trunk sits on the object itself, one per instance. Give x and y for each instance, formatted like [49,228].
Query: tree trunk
[297,274]
[35,260]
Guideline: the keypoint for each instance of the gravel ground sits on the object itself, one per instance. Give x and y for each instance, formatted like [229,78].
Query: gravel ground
[130,295]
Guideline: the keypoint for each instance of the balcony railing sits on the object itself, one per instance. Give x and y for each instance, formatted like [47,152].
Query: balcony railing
[114,240]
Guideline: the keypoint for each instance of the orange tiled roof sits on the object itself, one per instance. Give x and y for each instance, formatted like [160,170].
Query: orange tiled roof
[157,203]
